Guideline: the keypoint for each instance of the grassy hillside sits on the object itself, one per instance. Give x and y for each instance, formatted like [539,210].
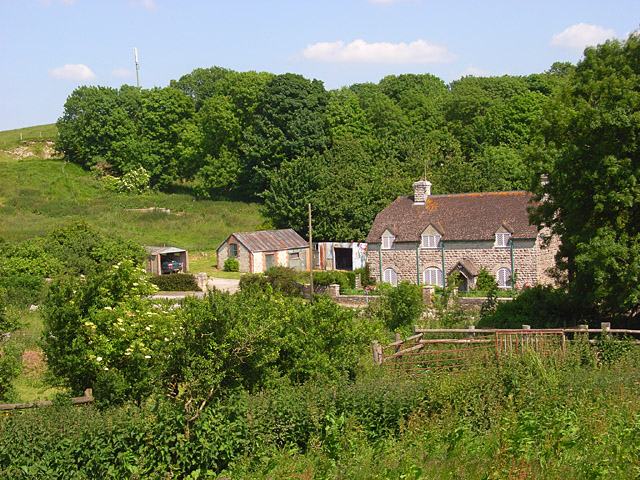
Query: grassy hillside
[13,138]
[38,193]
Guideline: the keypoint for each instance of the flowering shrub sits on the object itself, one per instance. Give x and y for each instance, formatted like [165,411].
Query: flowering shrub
[134,181]
[103,332]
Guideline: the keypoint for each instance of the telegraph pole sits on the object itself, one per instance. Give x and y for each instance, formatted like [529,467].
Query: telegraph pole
[135,56]
[310,256]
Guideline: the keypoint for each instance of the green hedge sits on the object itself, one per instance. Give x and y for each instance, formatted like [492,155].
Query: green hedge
[180,282]
[344,279]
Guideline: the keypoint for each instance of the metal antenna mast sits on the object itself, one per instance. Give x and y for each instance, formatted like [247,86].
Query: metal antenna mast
[135,56]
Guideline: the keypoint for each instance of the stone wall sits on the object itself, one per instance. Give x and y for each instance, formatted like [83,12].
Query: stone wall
[244,256]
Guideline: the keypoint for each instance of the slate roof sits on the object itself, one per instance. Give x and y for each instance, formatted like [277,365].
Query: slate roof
[464,216]
[271,240]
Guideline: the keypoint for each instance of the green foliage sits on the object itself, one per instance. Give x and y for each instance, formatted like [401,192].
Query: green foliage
[283,279]
[538,306]
[592,128]
[101,332]
[257,279]
[366,279]
[534,416]
[135,181]
[231,264]
[181,282]
[402,306]
[344,279]
[485,281]
[23,291]
[10,368]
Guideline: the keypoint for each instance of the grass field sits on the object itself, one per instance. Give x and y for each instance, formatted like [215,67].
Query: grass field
[37,194]
[13,138]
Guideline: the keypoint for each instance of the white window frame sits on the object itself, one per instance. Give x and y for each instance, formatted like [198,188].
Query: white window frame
[388,241]
[391,276]
[428,275]
[431,240]
[502,239]
[503,277]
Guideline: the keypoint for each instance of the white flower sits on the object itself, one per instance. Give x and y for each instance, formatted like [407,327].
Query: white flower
[99,359]
[147,356]
[148,327]
[108,308]
[166,339]
[106,369]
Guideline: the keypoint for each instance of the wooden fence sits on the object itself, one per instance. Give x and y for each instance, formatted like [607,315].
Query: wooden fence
[476,346]
[87,398]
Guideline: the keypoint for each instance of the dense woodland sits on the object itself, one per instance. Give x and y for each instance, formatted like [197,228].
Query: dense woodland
[286,141]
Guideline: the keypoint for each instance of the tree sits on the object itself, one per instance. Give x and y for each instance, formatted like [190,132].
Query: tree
[590,152]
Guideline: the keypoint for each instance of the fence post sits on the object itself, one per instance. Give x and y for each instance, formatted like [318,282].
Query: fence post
[397,338]
[377,354]
[526,339]
[472,333]
[606,326]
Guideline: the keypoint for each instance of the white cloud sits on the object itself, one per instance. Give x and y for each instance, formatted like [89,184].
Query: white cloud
[476,72]
[75,72]
[582,35]
[148,4]
[360,51]
[121,73]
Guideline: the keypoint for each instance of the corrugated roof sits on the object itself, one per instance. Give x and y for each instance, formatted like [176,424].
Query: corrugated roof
[465,216]
[163,250]
[271,240]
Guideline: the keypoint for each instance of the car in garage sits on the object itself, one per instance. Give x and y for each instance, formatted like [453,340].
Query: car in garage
[171,266]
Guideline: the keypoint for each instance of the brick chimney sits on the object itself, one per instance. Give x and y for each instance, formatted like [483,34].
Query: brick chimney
[421,191]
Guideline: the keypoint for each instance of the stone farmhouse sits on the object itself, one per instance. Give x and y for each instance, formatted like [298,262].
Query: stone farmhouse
[426,237]
[257,251]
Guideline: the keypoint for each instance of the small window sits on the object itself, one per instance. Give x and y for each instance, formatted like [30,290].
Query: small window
[390,276]
[502,239]
[504,277]
[294,256]
[387,242]
[433,276]
[431,241]
[233,249]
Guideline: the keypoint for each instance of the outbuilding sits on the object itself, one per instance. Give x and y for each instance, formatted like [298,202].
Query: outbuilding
[156,256]
[257,251]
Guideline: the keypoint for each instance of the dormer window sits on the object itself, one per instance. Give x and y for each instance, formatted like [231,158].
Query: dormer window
[431,240]
[387,241]
[502,239]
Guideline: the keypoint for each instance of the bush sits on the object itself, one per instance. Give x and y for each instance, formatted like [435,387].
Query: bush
[23,290]
[366,280]
[344,279]
[486,282]
[539,306]
[249,279]
[402,305]
[284,279]
[231,264]
[180,282]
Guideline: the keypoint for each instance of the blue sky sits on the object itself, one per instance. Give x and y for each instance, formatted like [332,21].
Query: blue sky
[50,47]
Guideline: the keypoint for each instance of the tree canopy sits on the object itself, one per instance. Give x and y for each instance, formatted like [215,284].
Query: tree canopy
[589,150]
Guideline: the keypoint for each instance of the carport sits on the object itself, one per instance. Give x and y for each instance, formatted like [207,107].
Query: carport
[157,255]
